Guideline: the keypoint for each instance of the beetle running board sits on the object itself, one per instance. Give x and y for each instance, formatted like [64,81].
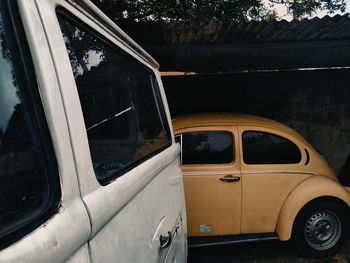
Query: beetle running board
[232,239]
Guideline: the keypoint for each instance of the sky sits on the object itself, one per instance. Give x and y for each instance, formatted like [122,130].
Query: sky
[283,14]
[8,96]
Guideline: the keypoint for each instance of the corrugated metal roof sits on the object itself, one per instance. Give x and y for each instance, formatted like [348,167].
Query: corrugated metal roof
[225,46]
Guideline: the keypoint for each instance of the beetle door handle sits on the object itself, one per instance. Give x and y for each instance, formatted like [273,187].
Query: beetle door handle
[230,179]
[165,241]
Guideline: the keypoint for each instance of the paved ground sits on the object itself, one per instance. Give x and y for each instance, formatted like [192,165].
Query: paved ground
[262,252]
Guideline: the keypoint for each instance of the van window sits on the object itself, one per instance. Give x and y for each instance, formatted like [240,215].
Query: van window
[29,187]
[265,148]
[124,117]
[207,148]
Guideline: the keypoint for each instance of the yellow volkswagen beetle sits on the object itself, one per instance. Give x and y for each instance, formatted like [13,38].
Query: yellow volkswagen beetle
[249,178]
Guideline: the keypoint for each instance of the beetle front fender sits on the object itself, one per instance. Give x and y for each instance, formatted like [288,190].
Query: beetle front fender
[310,189]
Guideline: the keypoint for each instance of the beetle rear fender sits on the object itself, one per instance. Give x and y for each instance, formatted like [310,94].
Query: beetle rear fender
[312,188]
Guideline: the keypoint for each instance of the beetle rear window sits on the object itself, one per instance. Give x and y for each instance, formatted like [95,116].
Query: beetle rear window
[265,148]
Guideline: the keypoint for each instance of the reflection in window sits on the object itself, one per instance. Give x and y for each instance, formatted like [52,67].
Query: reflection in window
[265,148]
[207,148]
[23,182]
[119,97]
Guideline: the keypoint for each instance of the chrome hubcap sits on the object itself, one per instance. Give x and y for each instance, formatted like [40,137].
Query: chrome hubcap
[322,230]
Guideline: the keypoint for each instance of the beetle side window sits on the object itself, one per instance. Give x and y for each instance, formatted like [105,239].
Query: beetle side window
[265,148]
[124,116]
[207,148]
[29,190]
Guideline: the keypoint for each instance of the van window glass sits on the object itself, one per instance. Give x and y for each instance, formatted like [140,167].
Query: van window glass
[120,100]
[265,148]
[26,195]
[207,148]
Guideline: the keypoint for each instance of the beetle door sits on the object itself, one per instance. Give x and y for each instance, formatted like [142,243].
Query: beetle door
[212,180]
[272,165]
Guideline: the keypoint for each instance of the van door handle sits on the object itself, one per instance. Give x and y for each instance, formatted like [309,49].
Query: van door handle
[165,241]
[230,179]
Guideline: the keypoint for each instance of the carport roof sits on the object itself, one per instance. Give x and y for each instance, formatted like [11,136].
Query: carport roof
[218,46]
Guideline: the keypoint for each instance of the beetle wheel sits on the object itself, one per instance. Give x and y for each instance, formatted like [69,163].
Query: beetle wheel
[320,228]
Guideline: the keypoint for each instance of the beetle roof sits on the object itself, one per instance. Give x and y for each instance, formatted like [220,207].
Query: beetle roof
[224,119]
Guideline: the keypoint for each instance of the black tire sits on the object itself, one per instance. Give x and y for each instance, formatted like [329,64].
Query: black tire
[321,228]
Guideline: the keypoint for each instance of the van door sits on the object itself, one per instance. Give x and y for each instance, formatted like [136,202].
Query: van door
[42,217]
[127,162]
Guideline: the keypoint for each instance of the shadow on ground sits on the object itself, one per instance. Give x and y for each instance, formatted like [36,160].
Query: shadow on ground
[274,251]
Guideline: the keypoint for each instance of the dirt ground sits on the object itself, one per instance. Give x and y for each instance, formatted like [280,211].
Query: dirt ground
[262,252]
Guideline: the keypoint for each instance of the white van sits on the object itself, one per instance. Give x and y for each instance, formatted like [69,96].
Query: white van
[89,171]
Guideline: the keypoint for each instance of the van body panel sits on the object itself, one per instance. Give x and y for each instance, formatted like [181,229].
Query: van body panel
[69,93]
[51,241]
[125,188]
[54,241]
[136,243]
[49,89]
[124,220]
[110,207]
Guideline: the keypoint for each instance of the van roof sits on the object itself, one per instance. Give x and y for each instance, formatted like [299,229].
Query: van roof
[96,14]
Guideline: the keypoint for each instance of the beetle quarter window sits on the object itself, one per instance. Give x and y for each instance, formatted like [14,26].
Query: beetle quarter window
[123,113]
[29,187]
[207,148]
[266,148]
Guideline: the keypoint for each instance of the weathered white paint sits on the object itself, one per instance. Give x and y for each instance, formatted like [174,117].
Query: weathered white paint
[120,222]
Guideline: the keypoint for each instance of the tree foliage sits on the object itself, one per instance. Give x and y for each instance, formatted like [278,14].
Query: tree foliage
[301,8]
[182,10]
[201,10]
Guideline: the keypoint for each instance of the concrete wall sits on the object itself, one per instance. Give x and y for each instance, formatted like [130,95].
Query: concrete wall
[315,103]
